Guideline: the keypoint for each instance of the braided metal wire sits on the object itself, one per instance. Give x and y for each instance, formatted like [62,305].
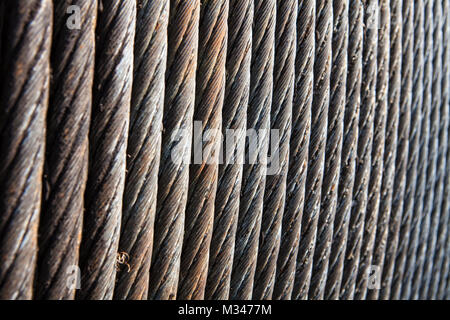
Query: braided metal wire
[317,144]
[280,118]
[66,159]
[25,72]
[173,178]
[333,150]
[298,155]
[144,148]
[254,180]
[234,117]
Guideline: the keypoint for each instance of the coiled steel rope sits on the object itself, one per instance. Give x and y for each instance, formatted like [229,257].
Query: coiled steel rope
[431,154]
[370,110]
[253,180]
[25,72]
[298,153]
[234,117]
[440,133]
[348,162]
[66,160]
[280,117]
[173,178]
[401,219]
[365,128]
[144,148]
[333,150]
[203,172]
[418,151]
[319,120]
[107,148]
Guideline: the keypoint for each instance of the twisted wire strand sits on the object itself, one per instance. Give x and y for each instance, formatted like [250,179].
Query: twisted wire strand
[400,219]
[333,150]
[378,144]
[397,144]
[319,120]
[25,70]
[391,20]
[173,178]
[253,181]
[144,148]
[363,149]
[298,153]
[369,109]
[439,132]
[234,117]
[280,117]
[430,167]
[416,172]
[348,156]
[107,148]
[203,174]
[66,157]
[442,219]
[440,280]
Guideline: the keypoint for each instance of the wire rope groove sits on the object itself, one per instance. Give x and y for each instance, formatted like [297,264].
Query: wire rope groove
[319,117]
[373,179]
[144,148]
[203,172]
[66,157]
[173,178]
[25,70]
[439,134]
[234,117]
[107,148]
[298,153]
[365,127]
[278,163]
[399,218]
[333,149]
[258,121]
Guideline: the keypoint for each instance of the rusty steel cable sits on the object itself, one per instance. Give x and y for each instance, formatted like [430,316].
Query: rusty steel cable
[429,121]
[370,110]
[203,172]
[234,117]
[363,149]
[419,142]
[278,163]
[25,71]
[144,148]
[173,178]
[400,218]
[66,157]
[317,143]
[298,153]
[440,135]
[107,148]
[253,180]
[333,149]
